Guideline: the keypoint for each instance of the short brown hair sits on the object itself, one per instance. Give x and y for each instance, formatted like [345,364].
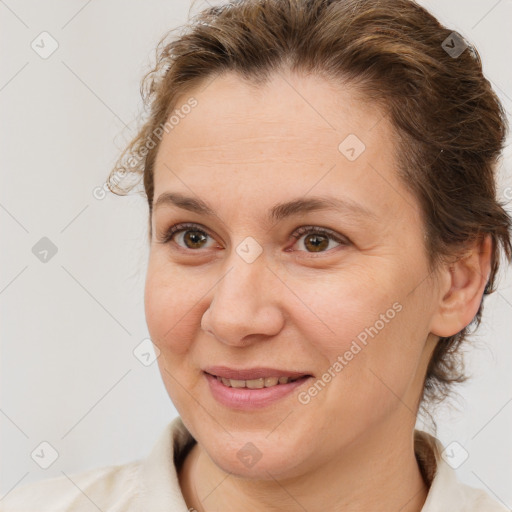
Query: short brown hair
[449,123]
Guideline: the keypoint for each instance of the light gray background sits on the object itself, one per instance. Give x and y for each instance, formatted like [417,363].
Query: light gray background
[69,326]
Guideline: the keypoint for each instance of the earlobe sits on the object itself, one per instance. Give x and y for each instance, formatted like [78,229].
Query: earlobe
[463,284]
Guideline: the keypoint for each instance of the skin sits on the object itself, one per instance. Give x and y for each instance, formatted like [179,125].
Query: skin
[242,150]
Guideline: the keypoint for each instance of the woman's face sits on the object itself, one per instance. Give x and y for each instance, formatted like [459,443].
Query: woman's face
[351,311]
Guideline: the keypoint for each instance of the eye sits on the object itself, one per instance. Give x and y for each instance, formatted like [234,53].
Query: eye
[192,236]
[317,239]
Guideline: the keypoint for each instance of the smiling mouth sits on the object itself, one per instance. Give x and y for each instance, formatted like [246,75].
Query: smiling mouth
[260,383]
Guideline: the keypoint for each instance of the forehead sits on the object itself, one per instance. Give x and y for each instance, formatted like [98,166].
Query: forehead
[289,107]
[293,134]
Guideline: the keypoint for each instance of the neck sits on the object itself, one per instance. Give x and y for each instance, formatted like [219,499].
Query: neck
[373,473]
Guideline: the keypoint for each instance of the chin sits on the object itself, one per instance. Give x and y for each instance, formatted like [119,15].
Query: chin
[254,456]
[268,469]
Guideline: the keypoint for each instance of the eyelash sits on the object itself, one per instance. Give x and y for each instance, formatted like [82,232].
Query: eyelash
[169,234]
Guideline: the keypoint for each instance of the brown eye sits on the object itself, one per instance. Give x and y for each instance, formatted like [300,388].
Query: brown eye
[194,240]
[190,236]
[318,239]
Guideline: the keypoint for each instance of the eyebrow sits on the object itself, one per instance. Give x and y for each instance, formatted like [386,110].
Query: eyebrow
[277,212]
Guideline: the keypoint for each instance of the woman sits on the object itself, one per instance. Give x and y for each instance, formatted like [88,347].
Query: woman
[323,226]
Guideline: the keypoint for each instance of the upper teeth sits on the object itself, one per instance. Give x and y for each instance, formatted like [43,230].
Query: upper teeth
[256,383]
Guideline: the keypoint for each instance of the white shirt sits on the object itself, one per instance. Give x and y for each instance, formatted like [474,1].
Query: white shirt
[151,484]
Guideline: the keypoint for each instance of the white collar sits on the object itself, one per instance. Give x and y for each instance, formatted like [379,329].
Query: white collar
[159,488]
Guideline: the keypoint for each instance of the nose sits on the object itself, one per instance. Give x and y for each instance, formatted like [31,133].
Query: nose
[245,306]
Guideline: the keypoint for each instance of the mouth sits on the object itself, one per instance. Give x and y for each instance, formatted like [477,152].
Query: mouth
[254,378]
[252,389]
[258,383]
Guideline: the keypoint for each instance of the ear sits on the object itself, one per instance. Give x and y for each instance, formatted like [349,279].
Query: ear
[462,286]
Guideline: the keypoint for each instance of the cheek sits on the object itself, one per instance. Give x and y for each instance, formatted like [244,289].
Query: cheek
[170,303]
[368,331]
[171,297]
[335,308]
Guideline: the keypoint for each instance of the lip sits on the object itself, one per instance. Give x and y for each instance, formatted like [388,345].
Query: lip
[246,399]
[251,373]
